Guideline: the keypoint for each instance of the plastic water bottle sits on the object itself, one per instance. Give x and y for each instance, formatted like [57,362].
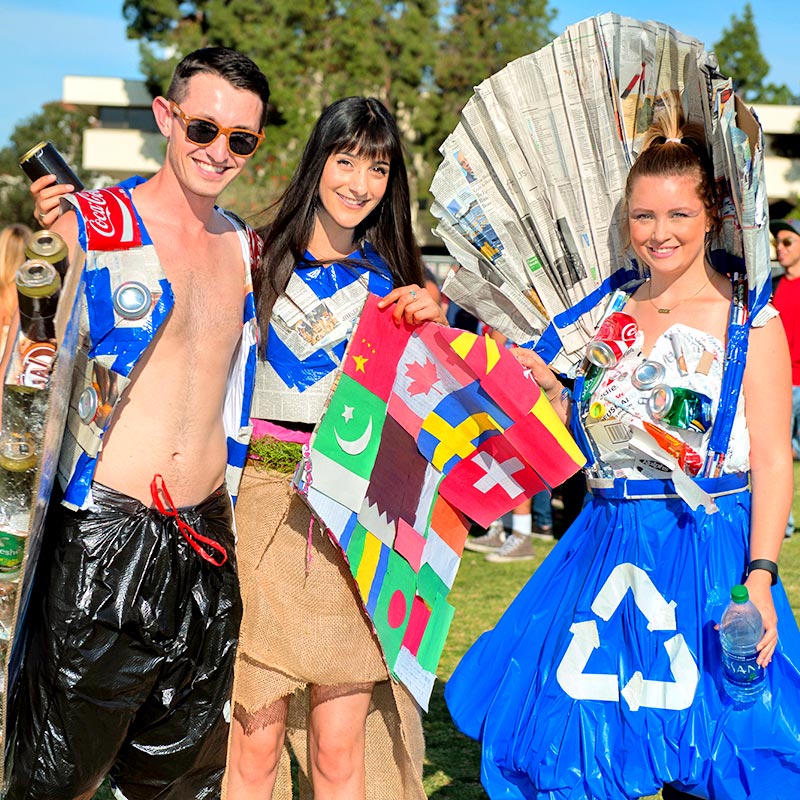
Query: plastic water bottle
[740,631]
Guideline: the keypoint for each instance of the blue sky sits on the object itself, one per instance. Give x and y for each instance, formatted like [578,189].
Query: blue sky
[43,40]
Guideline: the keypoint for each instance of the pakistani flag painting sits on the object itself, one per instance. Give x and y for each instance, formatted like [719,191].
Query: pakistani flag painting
[427,429]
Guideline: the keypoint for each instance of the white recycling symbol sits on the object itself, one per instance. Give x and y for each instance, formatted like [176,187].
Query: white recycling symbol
[639,692]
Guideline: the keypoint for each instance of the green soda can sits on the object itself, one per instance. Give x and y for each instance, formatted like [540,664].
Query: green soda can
[681,408]
[12,549]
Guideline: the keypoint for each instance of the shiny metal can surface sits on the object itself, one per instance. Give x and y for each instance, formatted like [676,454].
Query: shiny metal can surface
[46,245]
[38,288]
[44,159]
[648,374]
[613,339]
[681,408]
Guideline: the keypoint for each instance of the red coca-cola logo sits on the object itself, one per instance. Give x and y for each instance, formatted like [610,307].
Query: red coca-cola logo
[629,332]
[110,220]
[619,326]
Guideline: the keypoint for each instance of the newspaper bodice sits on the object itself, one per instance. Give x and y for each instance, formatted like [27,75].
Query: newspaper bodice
[308,334]
[629,440]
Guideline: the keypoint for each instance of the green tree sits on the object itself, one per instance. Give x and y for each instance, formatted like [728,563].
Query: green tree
[313,52]
[779,94]
[56,123]
[481,38]
[739,54]
[419,60]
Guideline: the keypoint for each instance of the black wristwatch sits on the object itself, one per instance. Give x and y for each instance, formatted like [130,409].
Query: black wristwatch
[764,563]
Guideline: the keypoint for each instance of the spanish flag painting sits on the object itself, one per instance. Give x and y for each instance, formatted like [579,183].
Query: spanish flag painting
[427,429]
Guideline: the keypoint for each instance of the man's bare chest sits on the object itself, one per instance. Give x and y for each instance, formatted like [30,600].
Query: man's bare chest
[205,269]
[208,307]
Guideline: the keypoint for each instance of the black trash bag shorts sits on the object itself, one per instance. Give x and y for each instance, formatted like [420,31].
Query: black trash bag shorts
[130,662]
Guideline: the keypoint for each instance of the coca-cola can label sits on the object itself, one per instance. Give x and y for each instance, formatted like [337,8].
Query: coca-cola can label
[110,219]
[613,339]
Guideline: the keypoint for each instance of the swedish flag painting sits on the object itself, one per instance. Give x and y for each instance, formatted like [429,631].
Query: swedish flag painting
[461,421]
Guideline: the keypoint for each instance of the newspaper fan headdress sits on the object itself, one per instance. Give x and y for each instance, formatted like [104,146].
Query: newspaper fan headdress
[529,192]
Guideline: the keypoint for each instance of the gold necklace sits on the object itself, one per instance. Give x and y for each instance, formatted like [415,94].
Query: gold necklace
[672,308]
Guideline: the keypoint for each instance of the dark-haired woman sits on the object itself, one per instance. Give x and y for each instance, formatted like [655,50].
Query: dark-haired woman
[308,659]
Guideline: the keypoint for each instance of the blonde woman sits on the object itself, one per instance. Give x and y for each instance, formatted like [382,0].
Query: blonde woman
[603,679]
[13,239]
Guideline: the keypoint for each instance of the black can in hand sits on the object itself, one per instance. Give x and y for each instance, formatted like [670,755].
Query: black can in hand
[38,287]
[44,159]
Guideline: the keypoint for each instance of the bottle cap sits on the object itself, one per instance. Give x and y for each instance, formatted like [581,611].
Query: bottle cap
[647,375]
[597,410]
[739,594]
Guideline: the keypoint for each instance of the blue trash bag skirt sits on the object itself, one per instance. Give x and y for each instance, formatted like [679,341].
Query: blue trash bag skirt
[603,678]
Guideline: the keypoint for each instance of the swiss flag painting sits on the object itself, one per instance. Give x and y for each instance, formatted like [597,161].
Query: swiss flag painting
[490,481]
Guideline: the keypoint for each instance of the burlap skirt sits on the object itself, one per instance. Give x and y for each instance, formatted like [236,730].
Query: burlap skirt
[303,623]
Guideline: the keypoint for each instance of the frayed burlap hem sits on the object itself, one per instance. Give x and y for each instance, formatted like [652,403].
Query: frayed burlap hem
[304,625]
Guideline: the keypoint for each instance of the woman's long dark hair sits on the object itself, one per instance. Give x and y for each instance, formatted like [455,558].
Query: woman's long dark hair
[359,125]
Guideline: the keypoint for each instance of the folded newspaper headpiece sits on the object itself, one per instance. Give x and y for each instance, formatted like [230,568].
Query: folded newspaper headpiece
[529,192]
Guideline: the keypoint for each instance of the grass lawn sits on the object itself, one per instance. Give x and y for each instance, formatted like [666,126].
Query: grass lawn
[481,593]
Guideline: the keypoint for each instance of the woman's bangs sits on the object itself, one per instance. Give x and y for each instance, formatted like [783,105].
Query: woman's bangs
[371,144]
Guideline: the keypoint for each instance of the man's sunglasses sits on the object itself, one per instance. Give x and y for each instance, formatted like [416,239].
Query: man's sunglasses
[787,242]
[241,142]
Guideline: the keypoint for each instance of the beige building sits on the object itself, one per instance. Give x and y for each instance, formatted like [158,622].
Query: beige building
[781,125]
[125,140]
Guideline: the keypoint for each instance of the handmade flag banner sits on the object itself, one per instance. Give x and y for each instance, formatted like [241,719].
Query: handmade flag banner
[427,427]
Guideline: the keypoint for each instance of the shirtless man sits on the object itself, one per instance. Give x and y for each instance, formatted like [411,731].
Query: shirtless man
[131,654]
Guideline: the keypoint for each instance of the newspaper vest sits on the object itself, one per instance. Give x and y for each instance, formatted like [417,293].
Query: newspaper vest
[126,299]
[309,329]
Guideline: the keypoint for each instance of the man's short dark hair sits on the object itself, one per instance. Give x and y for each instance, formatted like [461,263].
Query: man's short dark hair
[235,67]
